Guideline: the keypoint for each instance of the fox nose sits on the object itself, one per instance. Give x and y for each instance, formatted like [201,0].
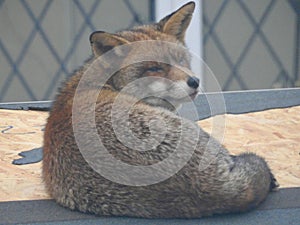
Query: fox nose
[193,82]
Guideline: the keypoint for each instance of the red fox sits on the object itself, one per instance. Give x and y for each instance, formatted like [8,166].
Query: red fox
[226,183]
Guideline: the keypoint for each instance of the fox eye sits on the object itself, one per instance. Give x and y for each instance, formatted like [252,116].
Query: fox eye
[154,69]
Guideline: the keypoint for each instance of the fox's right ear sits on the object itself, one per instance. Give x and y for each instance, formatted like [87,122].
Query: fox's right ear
[102,42]
[177,23]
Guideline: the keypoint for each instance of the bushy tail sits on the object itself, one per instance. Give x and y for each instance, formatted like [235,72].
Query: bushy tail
[253,179]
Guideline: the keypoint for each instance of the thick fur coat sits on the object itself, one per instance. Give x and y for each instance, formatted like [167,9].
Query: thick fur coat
[211,181]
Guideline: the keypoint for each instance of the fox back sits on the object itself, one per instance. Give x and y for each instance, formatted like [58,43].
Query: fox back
[149,162]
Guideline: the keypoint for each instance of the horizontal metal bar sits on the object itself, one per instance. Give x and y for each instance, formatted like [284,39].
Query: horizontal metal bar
[239,102]
[35,105]
[236,102]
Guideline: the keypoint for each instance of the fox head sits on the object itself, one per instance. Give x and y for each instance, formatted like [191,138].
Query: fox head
[169,79]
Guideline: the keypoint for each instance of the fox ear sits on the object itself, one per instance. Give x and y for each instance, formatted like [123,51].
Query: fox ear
[102,42]
[177,23]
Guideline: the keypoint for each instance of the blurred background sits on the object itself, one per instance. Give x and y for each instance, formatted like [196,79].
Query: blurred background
[248,45]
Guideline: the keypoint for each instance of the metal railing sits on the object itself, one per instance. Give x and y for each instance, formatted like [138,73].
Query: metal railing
[287,79]
[61,69]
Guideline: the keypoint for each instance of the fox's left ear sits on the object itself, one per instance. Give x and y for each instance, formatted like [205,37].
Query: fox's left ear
[102,42]
[177,23]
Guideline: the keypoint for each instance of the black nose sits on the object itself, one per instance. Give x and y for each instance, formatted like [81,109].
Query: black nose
[193,82]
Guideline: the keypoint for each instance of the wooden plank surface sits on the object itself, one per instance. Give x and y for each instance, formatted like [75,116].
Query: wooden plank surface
[20,131]
[273,134]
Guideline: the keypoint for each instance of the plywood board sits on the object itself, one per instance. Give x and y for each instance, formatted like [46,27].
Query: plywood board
[20,131]
[273,134]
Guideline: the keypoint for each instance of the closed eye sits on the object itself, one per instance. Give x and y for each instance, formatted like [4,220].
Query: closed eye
[154,69]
